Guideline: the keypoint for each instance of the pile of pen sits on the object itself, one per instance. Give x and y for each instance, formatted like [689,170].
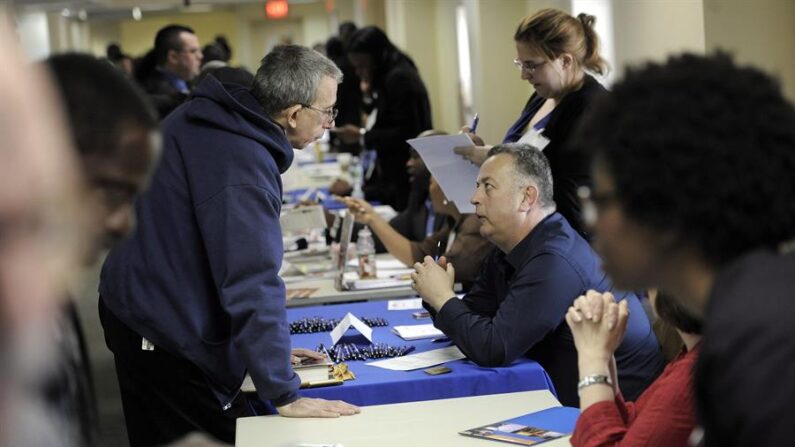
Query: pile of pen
[310,325]
[343,352]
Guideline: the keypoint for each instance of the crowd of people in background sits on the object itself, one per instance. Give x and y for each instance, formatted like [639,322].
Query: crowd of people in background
[674,188]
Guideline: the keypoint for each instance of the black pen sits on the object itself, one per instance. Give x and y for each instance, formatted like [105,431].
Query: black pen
[475,120]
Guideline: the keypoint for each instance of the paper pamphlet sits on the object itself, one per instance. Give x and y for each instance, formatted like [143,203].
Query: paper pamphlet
[530,429]
[455,175]
[303,218]
[417,331]
[386,283]
[410,304]
[348,321]
[422,360]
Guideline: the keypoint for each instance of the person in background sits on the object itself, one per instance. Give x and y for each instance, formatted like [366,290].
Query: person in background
[703,207]
[519,300]
[167,71]
[349,94]
[555,53]
[665,414]
[192,300]
[420,218]
[215,61]
[43,236]
[459,240]
[118,58]
[115,163]
[400,111]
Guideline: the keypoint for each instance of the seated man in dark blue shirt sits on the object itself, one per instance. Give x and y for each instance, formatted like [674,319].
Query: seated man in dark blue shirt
[518,303]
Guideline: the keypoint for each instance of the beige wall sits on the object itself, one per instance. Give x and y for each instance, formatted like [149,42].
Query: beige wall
[423,30]
[498,91]
[760,33]
[653,29]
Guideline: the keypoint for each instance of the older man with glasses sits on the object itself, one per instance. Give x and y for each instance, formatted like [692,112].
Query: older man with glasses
[193,300]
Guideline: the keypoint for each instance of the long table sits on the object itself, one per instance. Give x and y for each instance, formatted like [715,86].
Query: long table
[376,386]
[434,423]
[327,294]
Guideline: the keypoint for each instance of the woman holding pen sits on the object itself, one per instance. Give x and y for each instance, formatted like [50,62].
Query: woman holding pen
[555,52]
[459,240]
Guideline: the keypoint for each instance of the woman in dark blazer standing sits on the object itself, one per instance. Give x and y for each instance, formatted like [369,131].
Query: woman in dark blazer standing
[398,110]
[555,52]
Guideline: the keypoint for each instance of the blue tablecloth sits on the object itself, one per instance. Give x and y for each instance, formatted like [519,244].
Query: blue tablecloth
[376,386]
[294,195]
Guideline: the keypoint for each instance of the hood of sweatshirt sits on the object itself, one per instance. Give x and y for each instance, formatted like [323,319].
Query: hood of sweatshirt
[233,108]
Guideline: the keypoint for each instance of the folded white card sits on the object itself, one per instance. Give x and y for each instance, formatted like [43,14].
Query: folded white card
[348,321]
[417,331]
[422,360]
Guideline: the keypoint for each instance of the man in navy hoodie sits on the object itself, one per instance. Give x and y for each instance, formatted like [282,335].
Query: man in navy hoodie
[192,300]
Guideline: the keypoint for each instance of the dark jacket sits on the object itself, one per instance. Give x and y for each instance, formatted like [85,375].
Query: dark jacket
[518,304]
[404,111]
[198,277]
[570,167]
[164,95]
[744,374]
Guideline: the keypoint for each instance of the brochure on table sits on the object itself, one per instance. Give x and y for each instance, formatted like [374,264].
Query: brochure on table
[529,429]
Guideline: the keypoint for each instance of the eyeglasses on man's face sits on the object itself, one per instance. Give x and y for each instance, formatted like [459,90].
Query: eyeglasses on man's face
[528,66]
[330,113]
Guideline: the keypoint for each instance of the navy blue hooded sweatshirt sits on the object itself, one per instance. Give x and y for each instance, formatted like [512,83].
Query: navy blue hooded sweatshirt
[198,276]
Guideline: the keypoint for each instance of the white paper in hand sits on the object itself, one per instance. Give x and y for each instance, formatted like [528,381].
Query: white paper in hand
[455,175]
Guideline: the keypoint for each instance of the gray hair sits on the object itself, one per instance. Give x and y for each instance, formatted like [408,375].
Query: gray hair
[531,165]
[290,75]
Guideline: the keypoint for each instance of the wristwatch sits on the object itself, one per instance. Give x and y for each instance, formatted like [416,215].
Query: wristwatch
[593,379]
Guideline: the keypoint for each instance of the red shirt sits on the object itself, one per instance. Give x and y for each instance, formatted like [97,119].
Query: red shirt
[664,415]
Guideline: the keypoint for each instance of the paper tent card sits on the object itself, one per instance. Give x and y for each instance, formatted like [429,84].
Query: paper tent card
[363,331]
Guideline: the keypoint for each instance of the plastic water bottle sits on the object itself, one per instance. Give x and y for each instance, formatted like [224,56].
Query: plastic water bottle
[365,248]
[356,178]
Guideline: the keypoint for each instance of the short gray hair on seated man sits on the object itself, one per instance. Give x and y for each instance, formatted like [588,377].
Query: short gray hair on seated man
[290,75]
[530,165]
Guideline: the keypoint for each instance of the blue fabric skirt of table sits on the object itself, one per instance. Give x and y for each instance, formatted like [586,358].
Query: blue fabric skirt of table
[377,386]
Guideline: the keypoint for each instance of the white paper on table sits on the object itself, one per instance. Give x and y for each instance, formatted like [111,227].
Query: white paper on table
[455,175]
[410,304]
[303,218]
[382,264]
[348,321]
[367,284]
[422,360]
[417,331]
